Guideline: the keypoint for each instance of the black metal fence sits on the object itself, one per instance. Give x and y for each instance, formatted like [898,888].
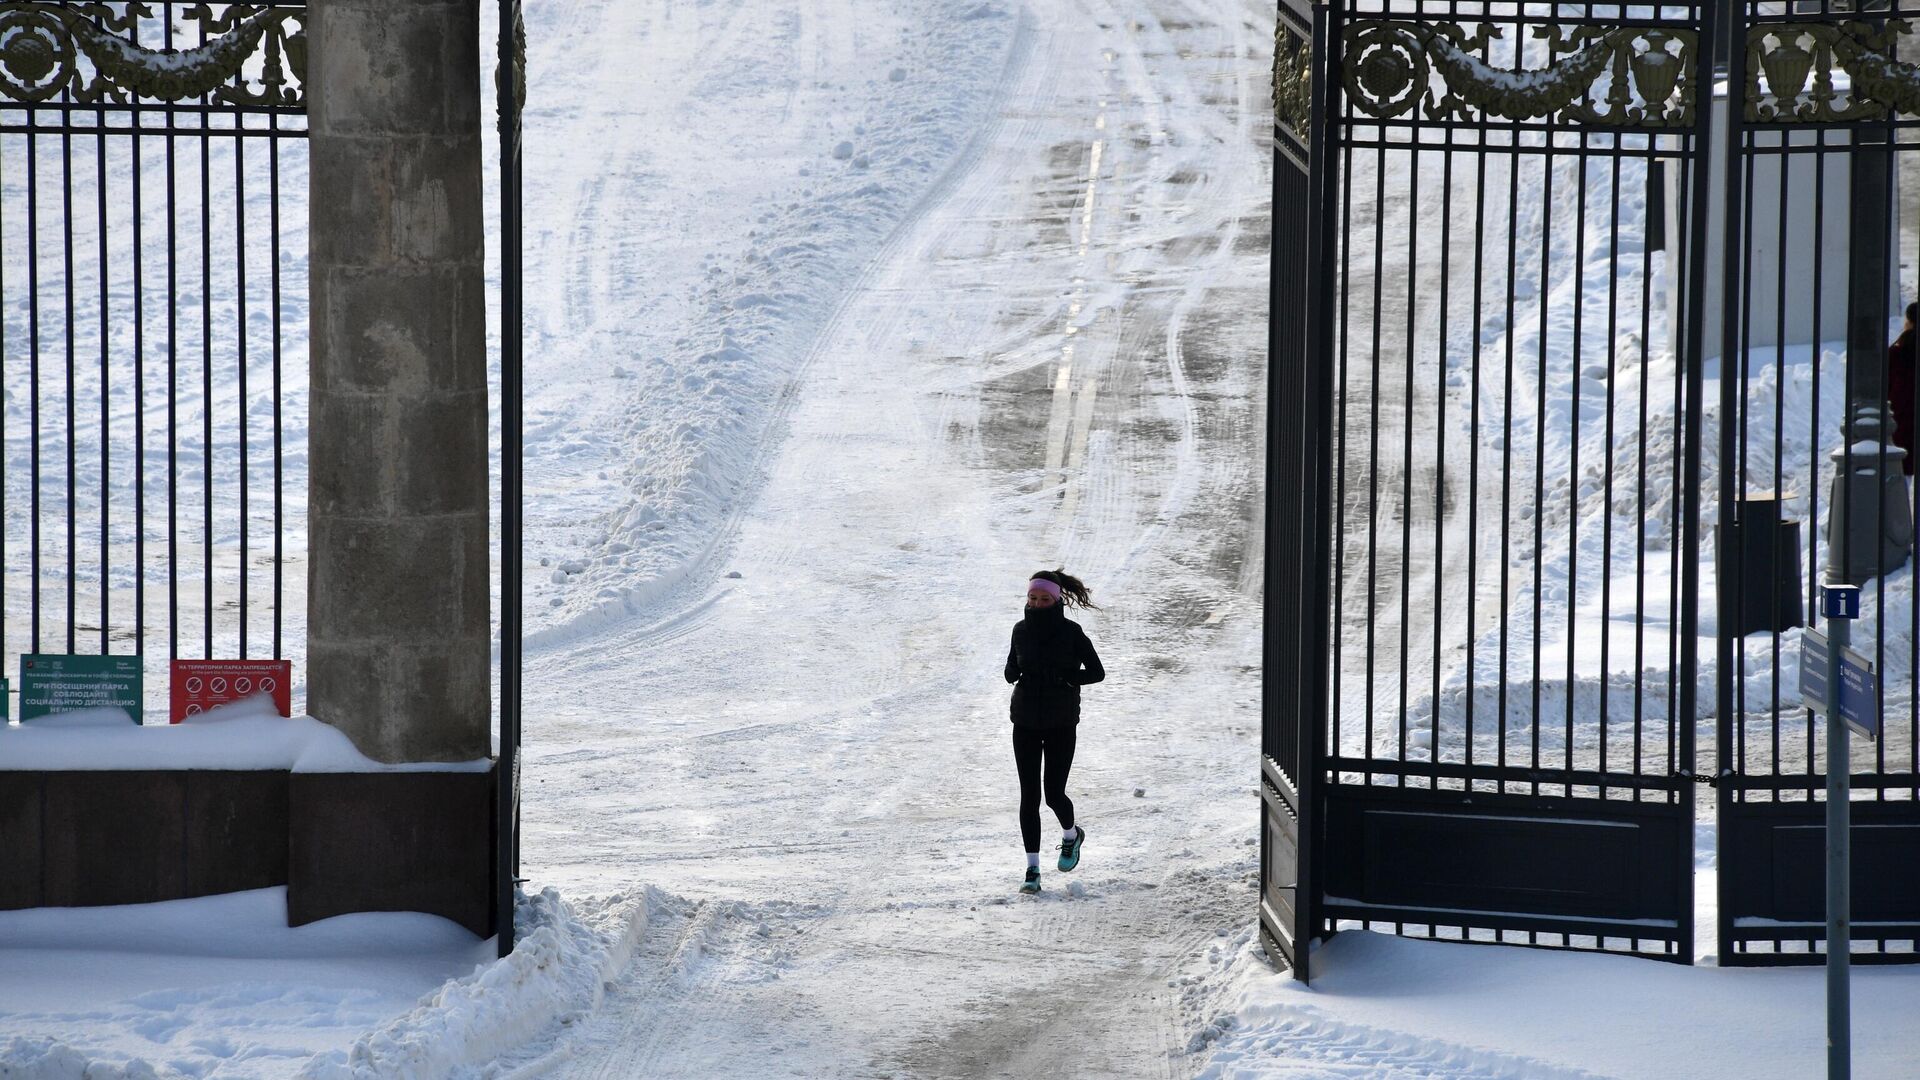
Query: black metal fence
[152,330]
[1823,202]
[1556,352]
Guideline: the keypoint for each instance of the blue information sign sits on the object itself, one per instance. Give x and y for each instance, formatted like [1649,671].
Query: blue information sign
[1859,685]
[1840,601]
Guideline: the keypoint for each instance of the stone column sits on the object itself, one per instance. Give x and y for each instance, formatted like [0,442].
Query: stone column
[398,637]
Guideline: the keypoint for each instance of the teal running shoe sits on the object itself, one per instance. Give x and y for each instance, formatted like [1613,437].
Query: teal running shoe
[1070,849]
[1032,883]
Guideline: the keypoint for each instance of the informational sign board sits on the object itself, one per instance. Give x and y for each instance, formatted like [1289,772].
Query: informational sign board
[56,683]
[6,701]
[1859,685]
[199,685]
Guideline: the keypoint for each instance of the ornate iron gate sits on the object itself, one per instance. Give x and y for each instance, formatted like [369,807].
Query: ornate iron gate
[1820,259]
[1505,364]
[1490,703]
[153,340]
[1295,649]
[152,328]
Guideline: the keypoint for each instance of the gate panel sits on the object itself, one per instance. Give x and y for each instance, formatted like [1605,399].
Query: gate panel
[1514,427]
[1820,257]
[153,284]
[1294,691]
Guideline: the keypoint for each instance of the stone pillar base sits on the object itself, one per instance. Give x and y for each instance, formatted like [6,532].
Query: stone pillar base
[1880,519]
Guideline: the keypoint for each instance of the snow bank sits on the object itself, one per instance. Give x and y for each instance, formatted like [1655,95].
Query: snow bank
[51,1059]
[707,324]
[218,986]
[248,734]
[557,975]
[238,988]
[1381,1006]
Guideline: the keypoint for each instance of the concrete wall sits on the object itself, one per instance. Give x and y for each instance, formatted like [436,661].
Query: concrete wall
[399,634]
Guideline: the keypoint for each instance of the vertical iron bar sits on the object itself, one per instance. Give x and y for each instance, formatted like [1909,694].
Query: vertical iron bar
[1544,290]
[1406,464]
[1575,357]
[1373,438]
[240,328]
[66,231]
[1813,432]
[1343,397]
[1890,252]
[206,377]
[1734,368]
[173,376]
[1606,486]
[1473,441]
[1779,448]
[139,406]
[1506,443]
[1640,477]
[273,227]
[1319,393]
[1440,443]
[33,374]
[1730,339]
[1689,186]
[106,397]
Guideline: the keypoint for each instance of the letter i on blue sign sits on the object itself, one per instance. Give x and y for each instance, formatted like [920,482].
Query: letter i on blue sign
[1840,602]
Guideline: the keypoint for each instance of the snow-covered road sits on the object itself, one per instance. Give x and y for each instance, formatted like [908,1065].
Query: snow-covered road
[1056,358]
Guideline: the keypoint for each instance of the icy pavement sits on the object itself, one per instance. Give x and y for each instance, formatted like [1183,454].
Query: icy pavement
[1056,361]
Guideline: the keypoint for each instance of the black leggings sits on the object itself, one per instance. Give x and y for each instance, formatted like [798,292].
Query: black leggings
[1029,745]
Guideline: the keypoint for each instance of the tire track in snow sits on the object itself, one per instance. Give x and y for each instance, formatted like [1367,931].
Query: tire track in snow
[826,734]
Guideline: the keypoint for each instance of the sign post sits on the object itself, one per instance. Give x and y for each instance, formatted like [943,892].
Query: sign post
[1840,605]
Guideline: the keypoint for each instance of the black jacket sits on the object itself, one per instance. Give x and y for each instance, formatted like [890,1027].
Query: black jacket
[1050,660]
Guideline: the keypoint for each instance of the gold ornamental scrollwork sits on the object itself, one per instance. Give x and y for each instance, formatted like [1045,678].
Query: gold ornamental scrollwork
[42,46]
[1799,60]
[510,74]
[1620,76]
[1292,80]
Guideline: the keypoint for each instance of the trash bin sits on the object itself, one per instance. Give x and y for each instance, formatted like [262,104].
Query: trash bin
[1768,550]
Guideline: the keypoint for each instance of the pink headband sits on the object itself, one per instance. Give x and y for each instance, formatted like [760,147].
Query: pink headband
[1044,586]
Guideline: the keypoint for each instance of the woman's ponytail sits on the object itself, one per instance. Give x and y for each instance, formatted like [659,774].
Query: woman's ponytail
[1073,591]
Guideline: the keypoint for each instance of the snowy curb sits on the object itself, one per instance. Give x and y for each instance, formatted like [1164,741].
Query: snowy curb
[557,974]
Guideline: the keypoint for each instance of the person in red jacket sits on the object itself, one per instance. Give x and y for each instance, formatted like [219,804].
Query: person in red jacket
[1049,661]
[1900,387]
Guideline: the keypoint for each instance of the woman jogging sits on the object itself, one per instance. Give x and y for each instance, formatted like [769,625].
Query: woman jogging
[1051,659]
